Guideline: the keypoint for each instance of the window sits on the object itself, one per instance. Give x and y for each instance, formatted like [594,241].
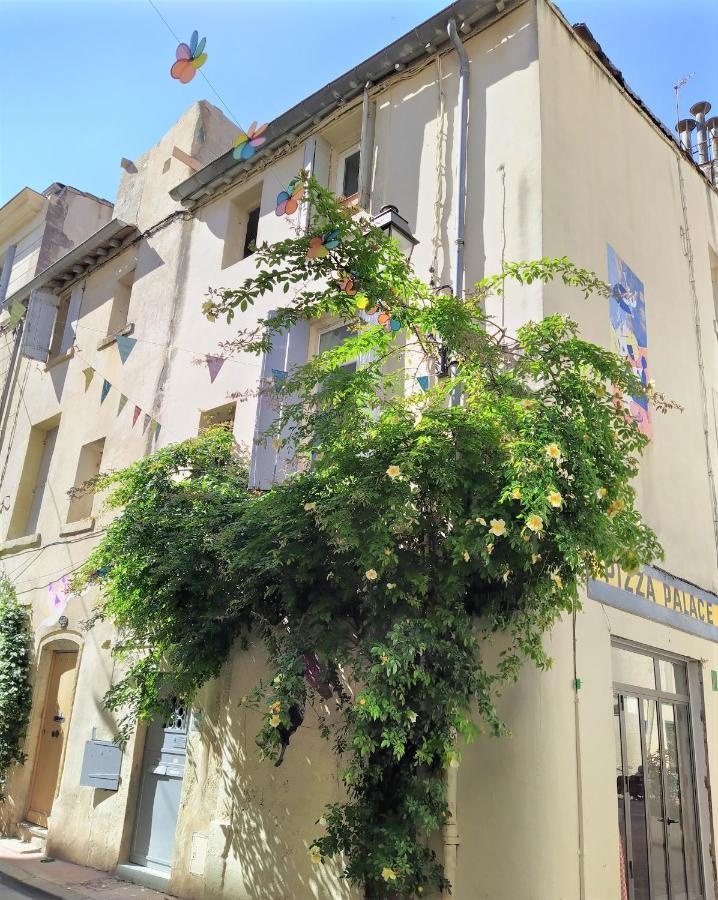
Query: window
[120,310]
[88,466]
[59,331]
[334,337]
[241,236]
[348,173]
[220,415]
[33,478]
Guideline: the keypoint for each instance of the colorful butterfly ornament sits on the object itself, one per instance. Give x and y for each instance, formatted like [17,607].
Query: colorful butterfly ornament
[321,244]
[190,57]
[347,283]
[247,143]
[288,201]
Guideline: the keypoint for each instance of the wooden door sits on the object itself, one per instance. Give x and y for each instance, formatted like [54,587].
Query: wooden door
[53,733]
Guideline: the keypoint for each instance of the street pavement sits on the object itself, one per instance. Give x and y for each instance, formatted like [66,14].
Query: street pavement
[16,890]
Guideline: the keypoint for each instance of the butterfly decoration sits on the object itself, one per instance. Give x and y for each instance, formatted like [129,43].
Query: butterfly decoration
[246,143]
[288,201]
[190,57]
[320,245]
[377,317]
[348,284]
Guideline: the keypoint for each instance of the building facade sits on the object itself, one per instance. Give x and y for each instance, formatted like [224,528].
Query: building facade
[604,789]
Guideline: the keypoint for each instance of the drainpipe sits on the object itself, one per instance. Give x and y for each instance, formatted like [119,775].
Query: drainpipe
[450,830]
[366,148]
[461,173]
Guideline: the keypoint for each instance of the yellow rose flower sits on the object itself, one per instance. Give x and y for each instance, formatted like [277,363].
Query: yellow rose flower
[526,404]
[601,493]
[388,874]
[480,520]
[534,523]
[557,580]
[322,822]
[310,506]
[535,557]
[390,585]
[516,494]
[553,451]
[276,706]
[454,760]
[467,556]
[275,721]
[384,658]
[555,499]
[393,471]
[615,507]
[362,701]
[489,548]
[315,854]
[371,575]
[498,527]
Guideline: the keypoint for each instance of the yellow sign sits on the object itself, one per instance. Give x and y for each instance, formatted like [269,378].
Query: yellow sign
[659,595]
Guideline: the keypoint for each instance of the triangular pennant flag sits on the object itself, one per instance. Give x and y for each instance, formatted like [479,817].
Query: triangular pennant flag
[214,364]
[135,415]
[279,376]
[423,382]
[105,390]
[121,404]
[89,374]
[125,345]
[146,422]
[17,311]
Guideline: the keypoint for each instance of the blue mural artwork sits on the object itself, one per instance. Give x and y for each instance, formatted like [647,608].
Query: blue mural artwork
[627,313]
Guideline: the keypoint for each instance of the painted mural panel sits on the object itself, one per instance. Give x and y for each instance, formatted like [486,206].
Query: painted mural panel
[627,312]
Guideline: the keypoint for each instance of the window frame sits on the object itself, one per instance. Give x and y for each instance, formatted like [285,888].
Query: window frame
[341,170]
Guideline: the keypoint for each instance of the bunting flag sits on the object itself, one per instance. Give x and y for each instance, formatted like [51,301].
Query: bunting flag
[17,311]
[423,382]
[146,422]
[121,404]
[136,415]
[89,374]
[214,364]
[105,390]
[279,376]
[125,345]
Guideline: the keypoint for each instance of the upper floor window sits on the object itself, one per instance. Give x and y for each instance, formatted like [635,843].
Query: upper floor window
[334,337]
[120,309]
[220,415]
[82,496]
[242,231]
[348,172]
[33,481]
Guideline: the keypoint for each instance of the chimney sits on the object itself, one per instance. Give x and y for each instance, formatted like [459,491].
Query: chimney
[699,110]
[684,129]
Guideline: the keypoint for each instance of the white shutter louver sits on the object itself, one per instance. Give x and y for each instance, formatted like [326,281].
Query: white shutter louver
[39,324]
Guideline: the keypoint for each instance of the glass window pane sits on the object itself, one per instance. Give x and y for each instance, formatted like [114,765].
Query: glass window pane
[672,676]
[654,800]
[620,781]
[632,668]
[633,770]
[328,340]
[351,175]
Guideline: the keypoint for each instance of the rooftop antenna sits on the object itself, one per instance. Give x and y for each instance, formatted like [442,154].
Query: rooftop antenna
[677,88]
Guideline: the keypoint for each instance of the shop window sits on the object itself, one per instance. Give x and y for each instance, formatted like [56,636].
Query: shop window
[242,232]
[220,415]
[89,466]
[32,485]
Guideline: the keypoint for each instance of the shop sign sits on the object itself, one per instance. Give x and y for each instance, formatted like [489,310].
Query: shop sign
[658,595]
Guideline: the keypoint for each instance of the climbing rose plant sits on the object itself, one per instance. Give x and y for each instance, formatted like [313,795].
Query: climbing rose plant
[412,533]
[15,686]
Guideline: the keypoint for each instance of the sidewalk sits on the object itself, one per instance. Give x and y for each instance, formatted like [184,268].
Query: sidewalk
[66,880]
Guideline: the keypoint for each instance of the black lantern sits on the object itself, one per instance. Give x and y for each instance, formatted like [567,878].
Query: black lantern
[395,225]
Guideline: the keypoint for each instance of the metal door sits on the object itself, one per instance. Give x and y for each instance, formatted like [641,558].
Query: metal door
[656,787]
[163,765]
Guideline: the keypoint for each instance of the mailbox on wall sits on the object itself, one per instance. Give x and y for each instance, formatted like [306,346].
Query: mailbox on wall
[101,765]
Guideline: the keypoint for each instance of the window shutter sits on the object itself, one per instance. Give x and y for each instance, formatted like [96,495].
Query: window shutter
[39,322]
[317,156]
[289,350]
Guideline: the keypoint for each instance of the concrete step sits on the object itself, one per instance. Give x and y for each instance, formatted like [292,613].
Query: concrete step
[33,835]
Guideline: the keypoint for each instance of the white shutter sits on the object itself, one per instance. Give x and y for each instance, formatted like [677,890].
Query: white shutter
[39,323]
[317,157]
[269,466]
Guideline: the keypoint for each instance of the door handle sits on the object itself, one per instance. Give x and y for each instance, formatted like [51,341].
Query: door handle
[670,821]
[55,732]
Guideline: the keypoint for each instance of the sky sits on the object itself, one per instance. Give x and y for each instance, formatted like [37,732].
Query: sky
[87,81]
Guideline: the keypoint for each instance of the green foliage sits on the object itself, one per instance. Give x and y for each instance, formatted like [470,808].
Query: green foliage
[413,531]
[15,684]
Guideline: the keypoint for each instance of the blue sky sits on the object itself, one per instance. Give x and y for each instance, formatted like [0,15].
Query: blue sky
[87,81]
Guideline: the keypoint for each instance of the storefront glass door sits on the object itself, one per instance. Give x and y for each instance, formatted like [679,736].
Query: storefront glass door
[655,779]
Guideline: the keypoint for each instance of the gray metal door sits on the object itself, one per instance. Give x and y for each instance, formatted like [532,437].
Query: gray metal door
[163,766]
